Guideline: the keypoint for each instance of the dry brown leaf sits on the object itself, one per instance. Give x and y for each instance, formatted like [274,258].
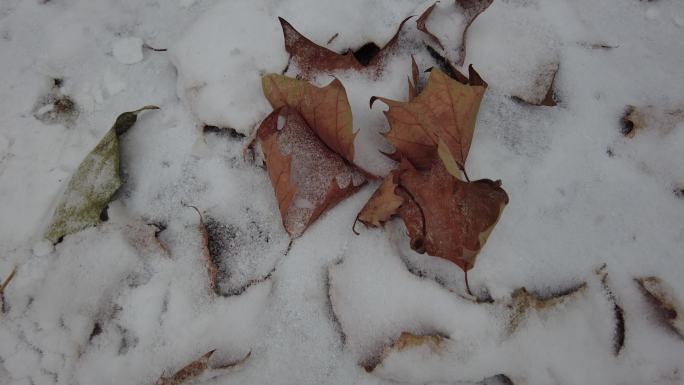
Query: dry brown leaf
[408,341]
[446,217]
[197,368]
[637,118]
[188,372]
[660,296]
[144,237]
[307,176]
[311,58]
[440,121]
[325,109]
[212,267]
[383,204]
[413,80]
[2,289]
[523,301]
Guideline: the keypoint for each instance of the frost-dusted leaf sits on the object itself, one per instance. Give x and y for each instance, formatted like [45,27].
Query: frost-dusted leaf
[660,296]
[325,109]
[661,119]
[522,302]
[307,176]
[470,9]
[446,217]
[93,184]
[311,58]
[542,92]
[212,267]
[407,341]
[442,115]
[143,237]
[383,204]
[3,285]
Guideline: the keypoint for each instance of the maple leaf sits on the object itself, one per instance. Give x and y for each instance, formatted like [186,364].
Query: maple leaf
[444,216]
[325,109]
[440,121]
[308,177]
[310,58]
[471,9]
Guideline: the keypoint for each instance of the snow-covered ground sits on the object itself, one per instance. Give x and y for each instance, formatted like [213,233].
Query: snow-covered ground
[108,305]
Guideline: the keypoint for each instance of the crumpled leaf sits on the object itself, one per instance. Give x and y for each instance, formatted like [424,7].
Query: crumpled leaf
[542,93]
[444,216]
[383,204]
[195,369]
[326,110]
[662,119]
[409,341]
[307,176]
[470,9]
[522,302]
[3,285]
[93,184]
[660,296]
[311,58]
[439,122]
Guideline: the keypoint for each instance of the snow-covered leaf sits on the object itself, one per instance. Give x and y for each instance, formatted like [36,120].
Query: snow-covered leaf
[307,176]
[311,58]
[522,302]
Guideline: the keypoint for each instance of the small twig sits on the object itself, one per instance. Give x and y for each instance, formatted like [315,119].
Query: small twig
[196,209]
[333,38]
[2,289]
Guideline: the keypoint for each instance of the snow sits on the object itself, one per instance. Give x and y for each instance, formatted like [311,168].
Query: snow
[128,50]
[113,304]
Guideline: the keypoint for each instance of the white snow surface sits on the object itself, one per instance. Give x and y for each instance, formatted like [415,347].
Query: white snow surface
[111,305]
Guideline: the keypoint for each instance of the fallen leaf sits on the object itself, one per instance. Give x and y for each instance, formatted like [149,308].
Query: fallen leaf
[311,58]
[326,110]
[413,86]
[383,204]
[618,312]
[470,9]
[661,297]
[212,266]
[144,237]
[197,368]
[542,93]
[93,184]
[2,289]
[662,119]
[408,341]
[307,176]
[522,302]
[446,217]
[439,122]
